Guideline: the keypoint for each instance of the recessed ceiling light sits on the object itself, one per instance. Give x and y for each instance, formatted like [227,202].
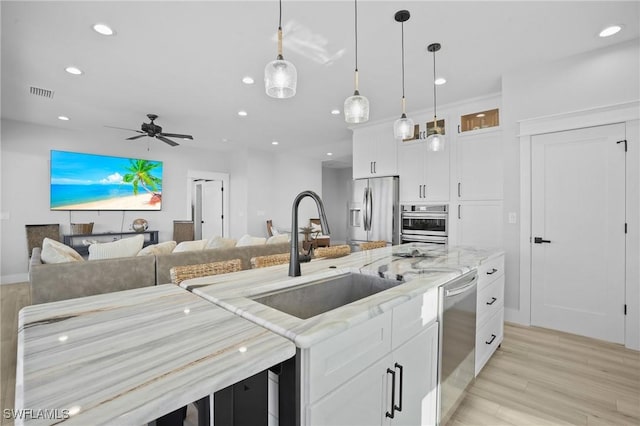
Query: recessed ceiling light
[225,140]
[480,115]
[440,81]
[335,111]
[63,118]
[73,70]
[609,31]
[275,143]
[242,113]
[103,29]
[329,154]
[247,80]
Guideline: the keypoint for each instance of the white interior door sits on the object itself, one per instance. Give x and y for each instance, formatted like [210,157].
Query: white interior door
[212,218]
[578,206]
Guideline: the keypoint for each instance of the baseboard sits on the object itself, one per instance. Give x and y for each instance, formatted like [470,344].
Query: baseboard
[13,279]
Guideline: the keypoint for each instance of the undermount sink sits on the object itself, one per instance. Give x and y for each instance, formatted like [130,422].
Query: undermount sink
[318,296]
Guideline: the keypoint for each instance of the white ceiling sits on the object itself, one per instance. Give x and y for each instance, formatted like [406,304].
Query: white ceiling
[184,62]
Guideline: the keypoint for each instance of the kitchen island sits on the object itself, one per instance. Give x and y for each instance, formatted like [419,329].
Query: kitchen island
[351,360]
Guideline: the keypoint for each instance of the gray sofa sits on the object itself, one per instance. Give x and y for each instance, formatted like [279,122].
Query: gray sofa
[61,281]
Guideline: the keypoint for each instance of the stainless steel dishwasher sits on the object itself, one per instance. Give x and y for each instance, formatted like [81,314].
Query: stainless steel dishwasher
[456,360]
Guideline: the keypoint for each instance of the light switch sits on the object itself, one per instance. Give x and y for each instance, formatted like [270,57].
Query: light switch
[512,217]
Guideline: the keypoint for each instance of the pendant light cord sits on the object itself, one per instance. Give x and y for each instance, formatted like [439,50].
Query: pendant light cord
[356,32]
[402,24]
[435,103]
[280,15]
[280,57]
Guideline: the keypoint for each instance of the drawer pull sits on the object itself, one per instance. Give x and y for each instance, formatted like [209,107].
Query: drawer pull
[493,271]
[493,300]
[493,337]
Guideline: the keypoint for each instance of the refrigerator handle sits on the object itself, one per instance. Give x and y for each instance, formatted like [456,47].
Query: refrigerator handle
[370,207]
[365,210]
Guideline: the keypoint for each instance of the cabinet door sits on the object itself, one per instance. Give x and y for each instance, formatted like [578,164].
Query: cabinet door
[418,359]
[480,223]
[385,161]
[436,171]
[411,160]
[363,151]
[480,166]
[363,400]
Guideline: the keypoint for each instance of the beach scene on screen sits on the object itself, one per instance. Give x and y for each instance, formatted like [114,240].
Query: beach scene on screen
[96,182]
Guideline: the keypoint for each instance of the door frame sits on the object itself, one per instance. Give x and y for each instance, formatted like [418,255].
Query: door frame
[194,175]
[628,113]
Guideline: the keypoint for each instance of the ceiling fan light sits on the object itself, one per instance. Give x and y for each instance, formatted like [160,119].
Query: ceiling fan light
[280,79]
[356,109]
[436,142]
[403,127]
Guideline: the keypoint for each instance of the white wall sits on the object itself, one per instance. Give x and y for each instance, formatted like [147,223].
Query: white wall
[336,191]
[598,78]
[259,183]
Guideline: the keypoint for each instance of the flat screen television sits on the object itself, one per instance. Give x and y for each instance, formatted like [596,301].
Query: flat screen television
[99,182]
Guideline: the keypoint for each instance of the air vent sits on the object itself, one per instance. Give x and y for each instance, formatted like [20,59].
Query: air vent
[38,91]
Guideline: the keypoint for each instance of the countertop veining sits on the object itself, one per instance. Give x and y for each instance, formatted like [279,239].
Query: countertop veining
[423,267]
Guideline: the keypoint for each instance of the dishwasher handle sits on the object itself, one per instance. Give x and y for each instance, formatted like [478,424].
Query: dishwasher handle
[461,289]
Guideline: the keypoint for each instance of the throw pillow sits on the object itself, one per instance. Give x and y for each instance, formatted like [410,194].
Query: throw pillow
[316,227]
[125,247]
[161,248]
[248,240]
[190,246]
[277,239]
[219,242]
[55,252]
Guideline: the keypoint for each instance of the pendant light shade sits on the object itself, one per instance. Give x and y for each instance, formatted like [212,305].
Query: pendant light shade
[280,76]
[403,127]
[435,141]
[356,107]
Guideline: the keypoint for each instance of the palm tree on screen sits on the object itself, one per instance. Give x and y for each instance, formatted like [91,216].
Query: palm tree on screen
[140,176]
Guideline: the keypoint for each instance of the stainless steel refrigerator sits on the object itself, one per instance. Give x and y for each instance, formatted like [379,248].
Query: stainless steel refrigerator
[374,211]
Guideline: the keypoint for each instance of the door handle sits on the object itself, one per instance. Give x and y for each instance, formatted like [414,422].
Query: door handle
[393,393]
[539,240]
[398,366]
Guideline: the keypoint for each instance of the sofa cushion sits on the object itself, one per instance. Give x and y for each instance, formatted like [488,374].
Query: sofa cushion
[277,239]
[219,242]
[55,252]
[197,245]
[161,248]
[125,247]
[248,240]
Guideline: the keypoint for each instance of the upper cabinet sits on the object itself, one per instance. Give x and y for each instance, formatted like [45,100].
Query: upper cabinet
[374,152]
[479,120]
[479,166]
[424,174]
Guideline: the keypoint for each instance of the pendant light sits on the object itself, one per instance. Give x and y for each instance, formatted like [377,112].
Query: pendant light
[403,127]
[356,107]
[435,141]
[280,76]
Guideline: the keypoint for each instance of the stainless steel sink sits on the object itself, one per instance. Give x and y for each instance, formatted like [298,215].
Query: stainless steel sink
[319,296]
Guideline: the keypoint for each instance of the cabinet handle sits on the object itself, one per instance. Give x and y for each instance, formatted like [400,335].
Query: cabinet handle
[493,337]
[398,366]
[458,128]
[419,191]
[375,163]
[492,271]
[371,167]
[393,393]
[424,191]
[459,217]
[493,300]
[459,185]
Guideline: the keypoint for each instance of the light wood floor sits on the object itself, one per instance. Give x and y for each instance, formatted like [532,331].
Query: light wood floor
[537,377]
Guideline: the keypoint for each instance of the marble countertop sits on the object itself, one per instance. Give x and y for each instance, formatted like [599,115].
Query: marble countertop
[423,267]
[132,356]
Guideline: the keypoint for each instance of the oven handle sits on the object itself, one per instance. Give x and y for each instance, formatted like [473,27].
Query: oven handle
[461,289]
[413,215]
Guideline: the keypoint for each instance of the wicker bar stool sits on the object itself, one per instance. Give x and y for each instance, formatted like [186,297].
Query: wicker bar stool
[332,252]
[270,260]
[181,273]
[370,245]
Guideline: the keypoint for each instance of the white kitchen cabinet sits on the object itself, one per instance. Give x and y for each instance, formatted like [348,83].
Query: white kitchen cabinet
[478,223]
[424,174]
[399,389]
[489,310]
[479,165]
[374,152]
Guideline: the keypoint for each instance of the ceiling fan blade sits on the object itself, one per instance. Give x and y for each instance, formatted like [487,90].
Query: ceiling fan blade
[176,135]
[136,137]
[168,141]
[122,128]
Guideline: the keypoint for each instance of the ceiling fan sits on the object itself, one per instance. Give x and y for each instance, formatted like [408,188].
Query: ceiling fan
[154,131]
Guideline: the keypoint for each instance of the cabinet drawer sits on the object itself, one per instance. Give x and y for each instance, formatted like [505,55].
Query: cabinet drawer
[490,300]
[490,270]
[337,359]
[488,337]
[412,317]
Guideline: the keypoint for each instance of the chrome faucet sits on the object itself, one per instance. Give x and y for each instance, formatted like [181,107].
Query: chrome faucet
[294,260]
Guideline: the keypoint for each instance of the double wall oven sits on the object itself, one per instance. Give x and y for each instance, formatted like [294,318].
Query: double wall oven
[424,223]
